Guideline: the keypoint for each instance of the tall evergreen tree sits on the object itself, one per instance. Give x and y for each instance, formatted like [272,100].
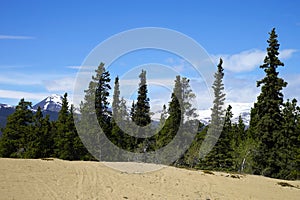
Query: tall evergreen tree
[288,142]
[116,104]
[132,111]
[117,136]
[266,117]
[172,123]
[220,158]
[14,141]
[63,145]
[101,97]
[142,107]
[217,115]
[67,142]
[41,142]
[95,99]
[77,151]
[189,112]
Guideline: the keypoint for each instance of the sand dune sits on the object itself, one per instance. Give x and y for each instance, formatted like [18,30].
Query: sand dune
[57,179]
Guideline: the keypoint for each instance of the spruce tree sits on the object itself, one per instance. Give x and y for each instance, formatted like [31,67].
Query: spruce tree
[189,112]
[217,115]
[102,79]
[116,99]
[266,117]
[77,151]
[68,145]
[220,158]
[15,136]
[172,123]
[142,108]
[117,135]
[41,142]
[95,99]
[132,111]
[288,142]
[63,145]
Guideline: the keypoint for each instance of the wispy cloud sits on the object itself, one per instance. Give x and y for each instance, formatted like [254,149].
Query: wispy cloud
[248,60]
[64,84]
[15,37]
[18,79]
[81,67]
[135,82]
[13,94]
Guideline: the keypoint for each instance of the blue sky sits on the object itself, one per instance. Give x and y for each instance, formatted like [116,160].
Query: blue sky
[42,43]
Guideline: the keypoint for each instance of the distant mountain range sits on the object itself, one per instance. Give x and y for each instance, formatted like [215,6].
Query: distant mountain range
[52,105]
[204,115]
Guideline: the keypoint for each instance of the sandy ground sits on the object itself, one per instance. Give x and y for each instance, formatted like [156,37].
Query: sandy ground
[57,179]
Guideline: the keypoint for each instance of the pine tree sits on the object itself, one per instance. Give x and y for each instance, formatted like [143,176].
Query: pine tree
[163,116]
[101,97]
[77,151]
[41,142]
[116,99]
[132,111]
[142,108]
[68,145]
[217,116]
[14,141]
[172,123]
[239,146]
[266,117]
[189,112]
[288,143]
[63,145]
[220,158]
[117,135]
[88,125]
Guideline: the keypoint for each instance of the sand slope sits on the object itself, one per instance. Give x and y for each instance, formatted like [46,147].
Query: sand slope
[57,179]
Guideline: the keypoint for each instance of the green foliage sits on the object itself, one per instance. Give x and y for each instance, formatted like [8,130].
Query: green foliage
[68,145]
[41,142]
[101,103]
[141,115]
[266,116]
[288,144]
[221,156]
[94,112]
[217,115]
[14,141]
[172,123]
[270,147]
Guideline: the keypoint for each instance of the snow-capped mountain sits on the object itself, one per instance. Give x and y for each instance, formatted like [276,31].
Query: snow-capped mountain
[51,103]
[204,115]
[238,109]
[2,106]
[5,111]
[50,106]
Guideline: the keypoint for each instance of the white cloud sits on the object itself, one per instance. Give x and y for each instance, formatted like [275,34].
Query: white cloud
[15,37]
[135,82]
[286,53]
[82,67]
[248,60]
[12,94]
[18,79]
[292,90]
[64,84]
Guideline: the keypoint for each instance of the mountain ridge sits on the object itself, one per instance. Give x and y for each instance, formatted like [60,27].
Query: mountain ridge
[52,104]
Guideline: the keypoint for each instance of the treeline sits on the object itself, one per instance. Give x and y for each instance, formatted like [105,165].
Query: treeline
[271,144]
[29,134]
[269,147]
